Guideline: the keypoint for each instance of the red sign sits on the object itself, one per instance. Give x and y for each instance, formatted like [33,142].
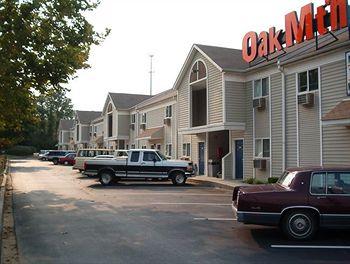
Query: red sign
[297,29]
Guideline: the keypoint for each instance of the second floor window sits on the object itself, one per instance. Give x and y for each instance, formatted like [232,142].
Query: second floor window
[261,88]
[308,81]
[143,118]
[133,119]
[262,148]
[169,111]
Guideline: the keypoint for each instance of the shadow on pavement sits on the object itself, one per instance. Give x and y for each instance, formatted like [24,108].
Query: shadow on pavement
[132,185]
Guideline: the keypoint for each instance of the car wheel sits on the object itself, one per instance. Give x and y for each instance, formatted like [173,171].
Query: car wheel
[300,225]
[179,178]
[106,178]
[55,161]
[66,163]
[80,170]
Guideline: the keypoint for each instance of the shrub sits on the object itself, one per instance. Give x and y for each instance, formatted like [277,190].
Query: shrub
[254,181]
[21,151]
[272,180]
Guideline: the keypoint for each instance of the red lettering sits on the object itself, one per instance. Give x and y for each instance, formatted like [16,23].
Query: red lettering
[296,30]
[263,49]
[321,14]
[250,46]
[339,14]
[274,40]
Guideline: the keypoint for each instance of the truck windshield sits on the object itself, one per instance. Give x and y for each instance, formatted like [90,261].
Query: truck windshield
[161,155]
[287,178]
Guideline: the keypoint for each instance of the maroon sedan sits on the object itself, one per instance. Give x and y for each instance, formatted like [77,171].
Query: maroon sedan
[303,200]
[69,159]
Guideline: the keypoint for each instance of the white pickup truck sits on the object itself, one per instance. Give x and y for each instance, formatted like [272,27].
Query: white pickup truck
[140,164]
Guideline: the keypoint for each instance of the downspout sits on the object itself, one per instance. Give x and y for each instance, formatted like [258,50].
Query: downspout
[281,69]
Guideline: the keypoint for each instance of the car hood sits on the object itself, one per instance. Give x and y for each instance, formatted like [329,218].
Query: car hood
[262,188]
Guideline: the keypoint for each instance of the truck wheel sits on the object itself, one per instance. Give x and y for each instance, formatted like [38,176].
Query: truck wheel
[299,225]
[106,178]
[55,161]
[179,178]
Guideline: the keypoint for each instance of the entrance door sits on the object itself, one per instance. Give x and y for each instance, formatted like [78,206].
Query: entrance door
[239,159]
[201,158]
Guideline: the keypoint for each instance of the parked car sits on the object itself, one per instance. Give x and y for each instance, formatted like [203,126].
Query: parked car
[41,154]
[303,200]
[86,154]
[69,159]
[55,155]
[140,164]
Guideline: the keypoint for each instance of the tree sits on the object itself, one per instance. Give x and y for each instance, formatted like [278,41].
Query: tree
[42,45]
[51,108]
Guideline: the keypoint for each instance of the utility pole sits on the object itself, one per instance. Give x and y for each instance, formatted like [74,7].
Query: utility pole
[151,75]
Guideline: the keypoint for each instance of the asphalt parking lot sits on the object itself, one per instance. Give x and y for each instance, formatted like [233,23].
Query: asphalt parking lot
[62,216]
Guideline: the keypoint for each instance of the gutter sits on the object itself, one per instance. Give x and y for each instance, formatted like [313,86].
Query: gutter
[281,69]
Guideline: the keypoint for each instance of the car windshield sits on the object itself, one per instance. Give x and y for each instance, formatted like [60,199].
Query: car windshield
[161,155]
[287,178]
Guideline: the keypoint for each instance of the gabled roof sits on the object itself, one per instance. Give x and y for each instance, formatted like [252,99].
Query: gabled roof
[227,59]
[85,117]
[65,124]
[157,98]
[126,101]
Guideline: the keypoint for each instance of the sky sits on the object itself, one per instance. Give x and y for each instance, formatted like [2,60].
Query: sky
[166,29]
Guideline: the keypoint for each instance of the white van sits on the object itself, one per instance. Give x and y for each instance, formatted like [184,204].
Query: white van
[86,154]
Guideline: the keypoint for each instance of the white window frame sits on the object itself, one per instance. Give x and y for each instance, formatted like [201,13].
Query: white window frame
[186,149]
[347,58]
[169,109]
[268,88]
[262,148]
[143,118]
[308,81]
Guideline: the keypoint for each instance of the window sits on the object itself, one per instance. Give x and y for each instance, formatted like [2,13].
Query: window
[198,72]
[144,147]
[168,150]
[135,155]
[150,156]
[133,119]
[169,111]
[348,72]
[186,149]
[78,130]
[133,146]
[262,148]
[95,129]
[110,125]
[261,88]
[308,81]
[159,147]
[144,118]
[318,183]
[91,153]
[338,183]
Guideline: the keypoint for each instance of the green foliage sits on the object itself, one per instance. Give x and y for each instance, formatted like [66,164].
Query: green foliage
[272,180]
[21,151]
[42,45]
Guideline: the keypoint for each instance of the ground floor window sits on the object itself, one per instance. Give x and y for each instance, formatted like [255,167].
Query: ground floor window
[159,147]
[168,150]
[262,148]
[133,146]
[144,147]
[186,149]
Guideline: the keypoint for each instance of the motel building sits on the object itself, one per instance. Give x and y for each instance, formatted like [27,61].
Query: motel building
[260,110]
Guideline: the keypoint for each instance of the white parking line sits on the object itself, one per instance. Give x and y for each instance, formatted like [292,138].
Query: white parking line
[310,247]
[215,219]
[179,194]
[207,204]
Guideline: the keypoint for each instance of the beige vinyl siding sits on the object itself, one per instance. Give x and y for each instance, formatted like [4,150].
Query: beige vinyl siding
[262,122]
[215,110]
[276,128]
[235,101]
[155,118]
[85,133]
[336,139]
[248,136]
[291,126]
[227,166]
[65,137]
[309,134]
[123,125]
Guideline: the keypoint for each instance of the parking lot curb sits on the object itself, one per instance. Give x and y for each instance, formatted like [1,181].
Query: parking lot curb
[212,184]
[2,200]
